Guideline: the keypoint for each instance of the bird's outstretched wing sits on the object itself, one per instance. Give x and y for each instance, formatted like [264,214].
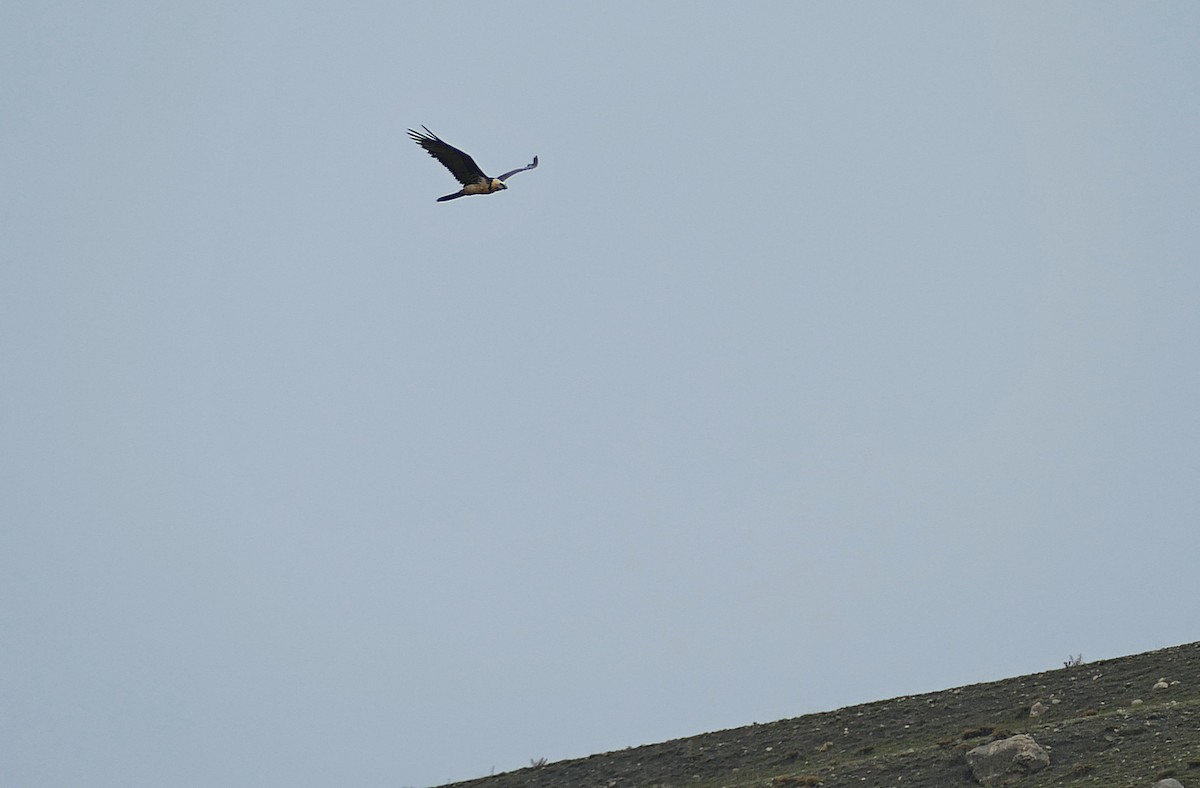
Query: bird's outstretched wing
[461,166]
[511,173]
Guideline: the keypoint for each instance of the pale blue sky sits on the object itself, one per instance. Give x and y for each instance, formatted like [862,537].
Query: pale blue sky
[835,352]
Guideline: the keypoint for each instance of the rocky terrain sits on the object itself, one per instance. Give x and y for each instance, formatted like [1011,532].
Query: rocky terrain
[1132,721]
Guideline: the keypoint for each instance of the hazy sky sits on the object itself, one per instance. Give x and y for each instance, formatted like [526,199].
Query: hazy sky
[836,351]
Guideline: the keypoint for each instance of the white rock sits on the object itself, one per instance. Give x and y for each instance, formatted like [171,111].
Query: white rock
[1170,782]
[1161,684]
[1000,761]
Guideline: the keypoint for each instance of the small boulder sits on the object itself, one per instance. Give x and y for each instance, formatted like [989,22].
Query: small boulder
[1005,761]
[1170,782]
[1037,709]
[1161,684]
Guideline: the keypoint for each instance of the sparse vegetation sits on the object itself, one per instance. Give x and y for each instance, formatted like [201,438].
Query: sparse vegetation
[975,733]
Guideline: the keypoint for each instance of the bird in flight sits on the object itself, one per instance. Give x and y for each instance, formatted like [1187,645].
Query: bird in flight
[462,166]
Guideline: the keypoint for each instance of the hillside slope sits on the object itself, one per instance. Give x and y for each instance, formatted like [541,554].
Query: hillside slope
[1102,723]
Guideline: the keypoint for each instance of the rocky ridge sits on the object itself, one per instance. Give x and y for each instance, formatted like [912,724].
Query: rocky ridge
[1130,721]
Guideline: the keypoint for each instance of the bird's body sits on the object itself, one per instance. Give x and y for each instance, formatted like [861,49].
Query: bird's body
[462,166]
[482,187]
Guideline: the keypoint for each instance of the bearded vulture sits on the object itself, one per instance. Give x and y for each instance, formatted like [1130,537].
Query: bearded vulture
[462,166]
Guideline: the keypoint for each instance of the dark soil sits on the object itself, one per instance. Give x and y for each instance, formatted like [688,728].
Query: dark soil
[1094,731]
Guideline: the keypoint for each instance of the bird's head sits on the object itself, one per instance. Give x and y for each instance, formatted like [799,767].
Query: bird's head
[498,184]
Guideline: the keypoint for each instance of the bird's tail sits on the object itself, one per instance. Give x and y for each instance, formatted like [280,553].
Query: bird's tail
[452,196]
